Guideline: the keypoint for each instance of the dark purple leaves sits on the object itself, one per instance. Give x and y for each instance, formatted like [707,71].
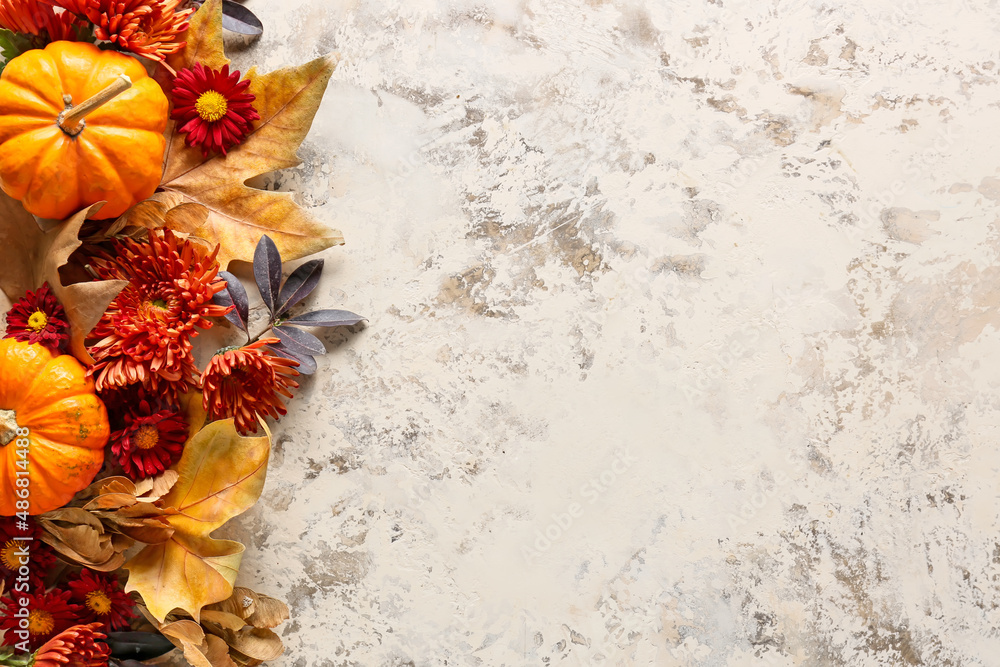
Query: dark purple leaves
[299,341]
[267,271]
[234,295]
[326,318]
[307,365]
[139,645]
[299,285]
[293,343]
[238,19]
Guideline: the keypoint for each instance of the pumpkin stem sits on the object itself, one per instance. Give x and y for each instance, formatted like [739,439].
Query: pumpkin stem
[8,427]
[71,120]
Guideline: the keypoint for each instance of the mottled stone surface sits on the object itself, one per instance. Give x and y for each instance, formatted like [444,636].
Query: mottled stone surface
[682,343]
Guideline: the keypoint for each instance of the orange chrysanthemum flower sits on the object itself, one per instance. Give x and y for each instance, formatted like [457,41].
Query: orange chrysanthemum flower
[244,382]
[145,334]
[75,647]
[32,17]
[149,28]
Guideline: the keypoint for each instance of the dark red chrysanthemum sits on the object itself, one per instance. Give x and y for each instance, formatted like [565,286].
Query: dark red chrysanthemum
[149,28]
[77,646]
[151,441]
[48,614]
[32,17]
[39,556]
[212,108]
[144,337]
[38,317]
[244,382]
[103,600]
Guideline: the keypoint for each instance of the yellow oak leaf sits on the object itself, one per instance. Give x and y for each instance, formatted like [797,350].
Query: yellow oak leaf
[221,475]
[32,255]
[240,215]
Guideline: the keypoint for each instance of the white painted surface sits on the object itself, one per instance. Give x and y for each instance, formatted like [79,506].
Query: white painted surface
[748,248]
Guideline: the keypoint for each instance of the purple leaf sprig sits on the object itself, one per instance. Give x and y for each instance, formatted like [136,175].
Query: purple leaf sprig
[295,343]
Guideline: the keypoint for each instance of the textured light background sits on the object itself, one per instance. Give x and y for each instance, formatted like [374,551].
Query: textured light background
[720,278]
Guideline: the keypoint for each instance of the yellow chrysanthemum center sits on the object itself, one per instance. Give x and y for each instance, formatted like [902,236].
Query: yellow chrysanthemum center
[211,105]
[147,437]
[40,622]
[38,321]
[98,602]
[9,557]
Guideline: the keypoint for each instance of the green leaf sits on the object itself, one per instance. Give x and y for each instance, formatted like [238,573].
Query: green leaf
[13,44]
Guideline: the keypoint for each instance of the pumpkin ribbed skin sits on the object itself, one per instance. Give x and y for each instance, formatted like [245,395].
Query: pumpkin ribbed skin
[68,424]
[116,158]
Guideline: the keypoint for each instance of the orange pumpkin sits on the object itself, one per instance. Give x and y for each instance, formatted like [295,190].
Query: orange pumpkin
[55,161]
[67,427]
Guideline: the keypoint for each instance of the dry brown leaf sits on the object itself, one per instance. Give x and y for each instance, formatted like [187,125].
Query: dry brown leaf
[143,522]
[241,603]
[256,643]
[223,619]
[268,612]
[79,537]
[153,488]
[173,212]
[221,476]
[116,484]
[31,257]
[239,215]
[200,650]
[111,501]
[257,609]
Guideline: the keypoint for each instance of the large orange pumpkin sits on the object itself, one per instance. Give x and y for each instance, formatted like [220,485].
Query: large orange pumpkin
[55,167]
[67,427]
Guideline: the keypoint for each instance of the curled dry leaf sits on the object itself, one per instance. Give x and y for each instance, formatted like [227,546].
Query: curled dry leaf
[142,522]
[238,215]
[80,537]
[107,485]
[223,620]
[221,476]
[252,646]
[122,508]
[31,256]
[257,609]
[152,489]
[200,649]
[171,212]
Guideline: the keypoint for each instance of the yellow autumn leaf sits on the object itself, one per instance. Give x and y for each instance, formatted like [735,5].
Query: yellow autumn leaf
[31,256]
[221,475]
[239,215]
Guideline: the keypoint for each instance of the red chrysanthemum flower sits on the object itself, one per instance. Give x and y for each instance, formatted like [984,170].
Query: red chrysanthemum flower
[151,441]
[103,600]
[38,317]
[244,382]
[148,28]
[212,108]
[32,17]
[48,614]
[75,647]
[12,553]
[145,334]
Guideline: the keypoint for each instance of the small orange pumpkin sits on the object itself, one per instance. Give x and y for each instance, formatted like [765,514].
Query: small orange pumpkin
[57,162]
[67,424]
